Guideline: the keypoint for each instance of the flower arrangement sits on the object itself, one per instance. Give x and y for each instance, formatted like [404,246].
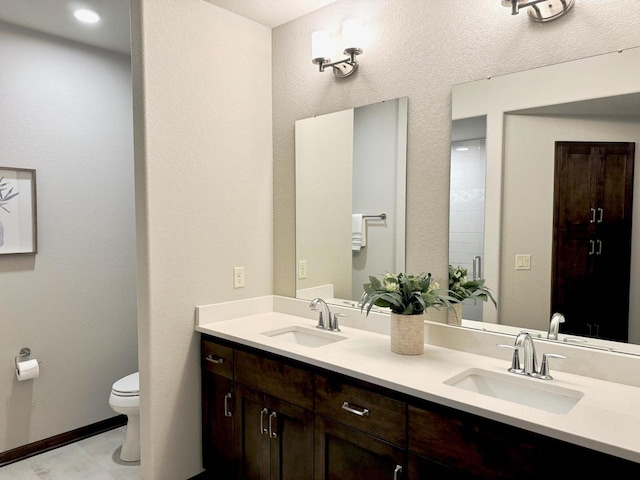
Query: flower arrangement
[405,294]
[461,287]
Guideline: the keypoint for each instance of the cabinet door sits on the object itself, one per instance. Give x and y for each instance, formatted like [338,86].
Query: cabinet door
[343,453]
[275,440]
[593,196]
[217,424]
[252,441]
[290,429]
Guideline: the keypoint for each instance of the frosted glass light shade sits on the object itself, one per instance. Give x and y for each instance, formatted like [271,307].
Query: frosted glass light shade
[352,34]
[320,44]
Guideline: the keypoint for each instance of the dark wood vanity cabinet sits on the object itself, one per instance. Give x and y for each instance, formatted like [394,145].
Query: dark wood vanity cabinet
[274,436]
[268,417]
[447,443]
[217,409]
[359,433]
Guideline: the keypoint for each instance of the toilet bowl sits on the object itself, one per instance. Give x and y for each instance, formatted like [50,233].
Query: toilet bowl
[125,399]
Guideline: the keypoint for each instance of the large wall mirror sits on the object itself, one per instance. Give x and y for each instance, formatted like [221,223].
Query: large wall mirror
[350,199]
[530,149]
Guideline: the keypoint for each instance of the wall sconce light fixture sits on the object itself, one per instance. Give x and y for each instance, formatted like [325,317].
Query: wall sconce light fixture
[540,10]
[352,39]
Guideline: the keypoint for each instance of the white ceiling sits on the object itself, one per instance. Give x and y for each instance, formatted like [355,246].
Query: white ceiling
[112,32]
[271,12]
[56,18]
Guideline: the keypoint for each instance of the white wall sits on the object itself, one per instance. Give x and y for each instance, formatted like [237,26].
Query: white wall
[324,167]
[65,110]
[202,105]
[419,49]
[529,150]
[375,180]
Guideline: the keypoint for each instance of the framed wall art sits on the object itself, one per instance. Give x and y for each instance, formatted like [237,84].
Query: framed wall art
[17,211]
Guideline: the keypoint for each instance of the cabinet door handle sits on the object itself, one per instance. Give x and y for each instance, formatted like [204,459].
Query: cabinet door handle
[589,327]
[593,215]
[599,250]
[592,247]
[272,431]
[600,215]
[361,412]
[227,412]
[262,429]
[597,329]
[214,359]
[397,472]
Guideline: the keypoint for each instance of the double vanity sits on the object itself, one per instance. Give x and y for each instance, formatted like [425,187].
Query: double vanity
[284,399]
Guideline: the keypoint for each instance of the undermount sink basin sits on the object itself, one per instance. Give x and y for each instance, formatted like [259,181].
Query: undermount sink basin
[511,387]
[308,337]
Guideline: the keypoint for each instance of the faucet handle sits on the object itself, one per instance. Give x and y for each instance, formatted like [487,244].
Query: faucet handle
[544,368]
[336,327]
[515,361]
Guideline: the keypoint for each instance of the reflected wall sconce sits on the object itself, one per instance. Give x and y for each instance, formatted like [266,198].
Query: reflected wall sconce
[540,11]
[352,40]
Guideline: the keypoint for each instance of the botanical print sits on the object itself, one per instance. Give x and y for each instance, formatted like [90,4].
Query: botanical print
[18,223]
[6,194]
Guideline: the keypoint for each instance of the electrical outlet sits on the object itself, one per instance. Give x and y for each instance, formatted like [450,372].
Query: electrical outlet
[302,269]
[523,262]
[238,277]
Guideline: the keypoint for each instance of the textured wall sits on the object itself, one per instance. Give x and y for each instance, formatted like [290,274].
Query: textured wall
[66,111]
[419,49]
[202,97]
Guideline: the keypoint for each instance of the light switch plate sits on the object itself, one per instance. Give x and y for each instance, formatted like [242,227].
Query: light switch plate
[523,262]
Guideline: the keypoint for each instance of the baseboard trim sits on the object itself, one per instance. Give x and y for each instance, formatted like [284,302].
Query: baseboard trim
[41,446]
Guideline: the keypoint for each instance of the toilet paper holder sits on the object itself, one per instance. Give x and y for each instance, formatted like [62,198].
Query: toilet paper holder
[24,352]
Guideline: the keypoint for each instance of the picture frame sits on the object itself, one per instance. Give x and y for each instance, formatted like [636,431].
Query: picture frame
[18,218]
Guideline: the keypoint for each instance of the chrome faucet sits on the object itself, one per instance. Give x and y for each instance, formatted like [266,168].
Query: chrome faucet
[524,341]
[554,326]
[324,317]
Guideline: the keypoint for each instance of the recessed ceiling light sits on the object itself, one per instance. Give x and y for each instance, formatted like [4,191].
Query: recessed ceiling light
[86,16]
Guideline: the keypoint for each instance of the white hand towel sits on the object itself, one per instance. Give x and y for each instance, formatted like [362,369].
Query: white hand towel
[358,232]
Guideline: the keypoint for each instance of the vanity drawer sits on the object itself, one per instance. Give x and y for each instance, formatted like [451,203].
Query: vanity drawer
[217,358]
[275,377]
[364,410]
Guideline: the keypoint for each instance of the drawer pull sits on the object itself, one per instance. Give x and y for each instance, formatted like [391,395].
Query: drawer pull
[212,359]
[227,412]
[397,472]
[272,431]
[357,411]
[262,429]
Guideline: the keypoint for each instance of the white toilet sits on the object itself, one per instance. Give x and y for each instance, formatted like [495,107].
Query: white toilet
[125,399]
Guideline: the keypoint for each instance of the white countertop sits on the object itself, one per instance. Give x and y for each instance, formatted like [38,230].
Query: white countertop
[607,417]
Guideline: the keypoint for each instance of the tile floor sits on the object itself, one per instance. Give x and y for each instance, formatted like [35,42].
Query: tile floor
[94,458]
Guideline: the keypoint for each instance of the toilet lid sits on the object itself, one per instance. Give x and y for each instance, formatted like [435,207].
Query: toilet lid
[129,385]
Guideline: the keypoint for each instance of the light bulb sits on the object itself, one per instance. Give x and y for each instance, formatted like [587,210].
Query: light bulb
[86,16]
